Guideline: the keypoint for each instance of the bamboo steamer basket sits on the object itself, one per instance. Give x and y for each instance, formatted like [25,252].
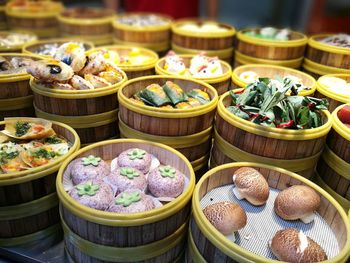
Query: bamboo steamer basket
[223,54]
[192,253]
[271,71]
[42,23]
[14,107]
[156,38]
[153,236]
[271,49]
[135,71]
[29,204]
[213,245]
[3,20]
[96,29]
[220,83]
[31,48]
[202,40]
[317,70]
[241,59]
[328,55]
[166,122]
[333,98]
[13,48]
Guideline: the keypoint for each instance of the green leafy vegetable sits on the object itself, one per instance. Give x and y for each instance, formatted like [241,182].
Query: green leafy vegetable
[43,153]
[22,128]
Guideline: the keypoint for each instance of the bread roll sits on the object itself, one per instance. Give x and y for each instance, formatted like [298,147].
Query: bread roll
[297,202]
[292,245]
[250,185]
[226,217]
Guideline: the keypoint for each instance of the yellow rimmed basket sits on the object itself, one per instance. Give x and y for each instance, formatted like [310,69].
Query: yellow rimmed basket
[241,59]
[75,23]
[136,236]
[271,49]
[14,48]
[221,83]
[14,107]
[34,47]
[166,122]
[317,70]
[42,23]
[29,204]
[211,244]
[333,98]
[247,141]
[272,71]
[135,71]
[156,38]
[327,55]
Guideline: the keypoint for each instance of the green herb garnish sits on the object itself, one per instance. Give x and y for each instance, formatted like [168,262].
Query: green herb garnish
[127,199]
[129,172]
[22,128]
[43,153]
[88,188]
[53,140]
[136,154]
[167,171]
[91,159]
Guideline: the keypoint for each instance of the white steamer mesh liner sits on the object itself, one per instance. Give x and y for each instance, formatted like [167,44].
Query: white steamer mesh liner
[263,223]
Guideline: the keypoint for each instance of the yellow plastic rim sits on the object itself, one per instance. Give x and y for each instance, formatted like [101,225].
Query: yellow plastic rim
[41,171]
[120,26]
[336,163]
[193,250]
[75,94]
[106,19]
[221,53]
[115,219]
[159,47]
[167,113]
[175,28]
[16,103]
[211,80]
[30,208]
[322,69]
[177,142]
[48,32]
[302,41]
[126,254]
[270,132]
[345,203]
[239,82]
[238,155]
[132,68]
[338,126]
[26,47]
[21,240]
[238,253]
[244,59]
[314,43]
[329,93]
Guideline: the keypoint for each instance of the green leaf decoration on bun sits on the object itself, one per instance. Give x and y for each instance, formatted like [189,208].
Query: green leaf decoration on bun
[136,154]
[167,171]
[129,172]
[88,188]
[127,199]
[91,160]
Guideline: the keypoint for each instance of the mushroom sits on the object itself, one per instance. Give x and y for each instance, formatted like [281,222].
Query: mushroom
[250,185]
[297,202]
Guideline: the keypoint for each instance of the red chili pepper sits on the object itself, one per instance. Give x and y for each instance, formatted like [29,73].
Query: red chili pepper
[311,106]
[286,124]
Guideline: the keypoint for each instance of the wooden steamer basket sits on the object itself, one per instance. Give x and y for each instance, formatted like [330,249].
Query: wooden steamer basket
[16,99]
[97,28]
[271,71]
[187,130]
[294,150]
[93,113]
[211,244]
[156,38]
[157,235]
[220,83]
[135,71]
[42,23]
[29,204]
[334,99]
[213,43]
[12,48]
[318,70]
[3,20]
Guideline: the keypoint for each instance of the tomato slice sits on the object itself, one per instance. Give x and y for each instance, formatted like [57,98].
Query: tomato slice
[344,114]
[38,128]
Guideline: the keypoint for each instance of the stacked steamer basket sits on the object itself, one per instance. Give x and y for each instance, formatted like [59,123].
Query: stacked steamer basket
[91,24]
[187,130]
[334,165]
[330,228]
[134,61]
[143,30]
[243,75]
[237,139]
[38,17]
[328,87]
[221,82]
[324,58]
[156,235]
[16,97]
[14,41]
[3,21]
[254,50]
[29,203]
[192,36]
